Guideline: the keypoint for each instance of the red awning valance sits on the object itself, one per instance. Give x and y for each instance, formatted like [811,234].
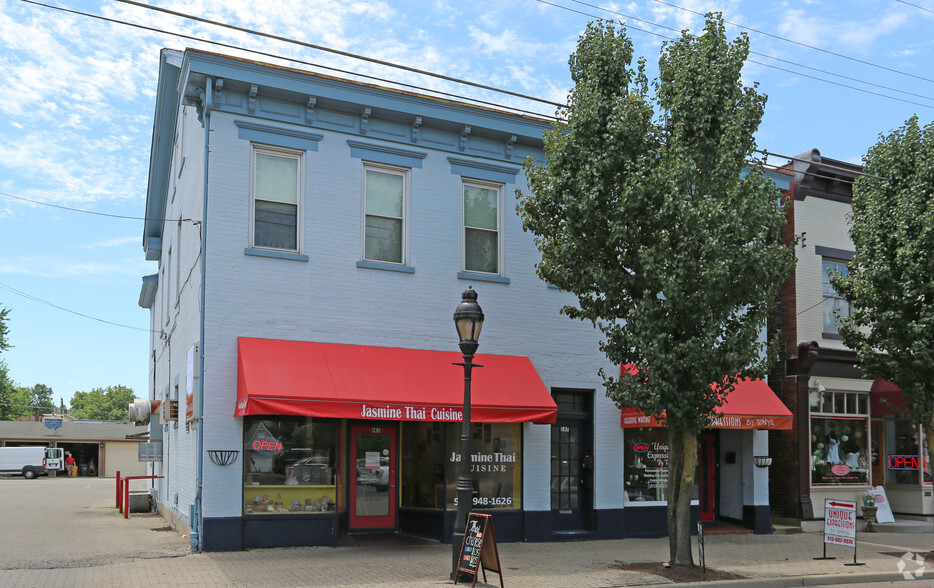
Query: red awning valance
[885,398]
[359,382]
[751,405]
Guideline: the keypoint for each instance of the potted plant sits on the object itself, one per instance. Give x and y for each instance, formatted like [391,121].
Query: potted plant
[869,510]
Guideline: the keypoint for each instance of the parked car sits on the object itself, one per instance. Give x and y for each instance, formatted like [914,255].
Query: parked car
[375,476]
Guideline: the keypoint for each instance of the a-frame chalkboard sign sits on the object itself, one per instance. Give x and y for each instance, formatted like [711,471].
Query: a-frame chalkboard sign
[478,551]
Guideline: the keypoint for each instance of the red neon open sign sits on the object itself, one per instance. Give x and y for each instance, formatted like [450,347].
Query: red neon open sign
[267,446]
[904,462]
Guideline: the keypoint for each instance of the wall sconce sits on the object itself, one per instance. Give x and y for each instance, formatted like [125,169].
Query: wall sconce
[762,461]
[820,387]
[223,457]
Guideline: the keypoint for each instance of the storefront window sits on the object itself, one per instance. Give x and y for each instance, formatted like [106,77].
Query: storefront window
[906,458]
[422,472]
[645,465]
[839,451]
[289,465]
[431,454]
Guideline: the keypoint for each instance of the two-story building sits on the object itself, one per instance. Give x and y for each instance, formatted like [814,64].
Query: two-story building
[846,427]
[313,237]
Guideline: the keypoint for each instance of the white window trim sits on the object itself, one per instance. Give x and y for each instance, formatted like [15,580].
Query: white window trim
[500,240]
[297,154]
[388,169]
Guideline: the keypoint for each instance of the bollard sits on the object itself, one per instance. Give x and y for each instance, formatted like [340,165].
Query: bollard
[118,490]
[126,499]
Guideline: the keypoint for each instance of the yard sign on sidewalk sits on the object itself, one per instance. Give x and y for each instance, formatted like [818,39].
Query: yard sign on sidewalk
[840,525]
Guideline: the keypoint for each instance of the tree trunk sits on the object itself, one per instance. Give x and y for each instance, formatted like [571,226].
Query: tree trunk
[682,463]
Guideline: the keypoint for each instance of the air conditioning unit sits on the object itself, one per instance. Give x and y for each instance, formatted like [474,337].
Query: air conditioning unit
[170,410]
[140,411]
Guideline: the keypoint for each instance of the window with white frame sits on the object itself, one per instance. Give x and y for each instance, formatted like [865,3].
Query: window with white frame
[839,438]
[277,197]
[482,232]
[384,195]
[835,307]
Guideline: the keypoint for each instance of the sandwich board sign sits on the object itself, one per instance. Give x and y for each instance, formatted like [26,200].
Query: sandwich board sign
[840,522]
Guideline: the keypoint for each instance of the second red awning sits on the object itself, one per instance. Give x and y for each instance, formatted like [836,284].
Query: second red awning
[751,405]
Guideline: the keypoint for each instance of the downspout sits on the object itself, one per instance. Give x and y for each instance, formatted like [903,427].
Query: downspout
[197,528]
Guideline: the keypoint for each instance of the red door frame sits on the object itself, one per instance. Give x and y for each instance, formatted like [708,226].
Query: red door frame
[387,521]
[705,460]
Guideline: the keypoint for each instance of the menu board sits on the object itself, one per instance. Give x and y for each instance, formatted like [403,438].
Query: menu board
[479,548]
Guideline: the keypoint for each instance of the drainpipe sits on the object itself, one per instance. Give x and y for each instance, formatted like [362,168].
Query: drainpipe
[197,515]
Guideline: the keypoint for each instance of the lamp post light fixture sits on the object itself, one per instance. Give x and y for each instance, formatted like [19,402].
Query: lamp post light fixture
[468,318]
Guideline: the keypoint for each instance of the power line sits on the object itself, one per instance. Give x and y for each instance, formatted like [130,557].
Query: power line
[336,51]
[308,63]
[835,54]
[272,55]
[68,208]
[93,318]
[916,6]
[796,64]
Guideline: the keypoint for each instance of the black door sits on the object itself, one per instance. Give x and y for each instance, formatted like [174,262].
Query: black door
[572,461]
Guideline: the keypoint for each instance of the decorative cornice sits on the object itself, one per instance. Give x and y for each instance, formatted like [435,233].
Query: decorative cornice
[464,133]
[365,119]
[415,127]
[310,110]
[254,90]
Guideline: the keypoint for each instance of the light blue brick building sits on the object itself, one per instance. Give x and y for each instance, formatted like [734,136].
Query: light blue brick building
[313,237]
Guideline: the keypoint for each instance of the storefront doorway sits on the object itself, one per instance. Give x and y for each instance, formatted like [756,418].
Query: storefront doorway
[572,462]
[373,477]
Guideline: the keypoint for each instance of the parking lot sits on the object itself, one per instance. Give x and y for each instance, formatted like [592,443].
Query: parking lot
[71,523]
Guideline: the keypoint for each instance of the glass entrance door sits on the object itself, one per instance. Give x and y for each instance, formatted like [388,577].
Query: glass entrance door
[572,462]
[373,486]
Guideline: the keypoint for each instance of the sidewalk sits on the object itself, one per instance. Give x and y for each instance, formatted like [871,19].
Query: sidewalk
[67,533]
[772,560]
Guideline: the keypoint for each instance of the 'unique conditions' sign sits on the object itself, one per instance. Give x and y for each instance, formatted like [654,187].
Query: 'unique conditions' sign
[840,522]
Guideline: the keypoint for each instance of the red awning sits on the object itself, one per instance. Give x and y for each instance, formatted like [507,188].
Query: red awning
[885,398]
[751,405]
[360,382]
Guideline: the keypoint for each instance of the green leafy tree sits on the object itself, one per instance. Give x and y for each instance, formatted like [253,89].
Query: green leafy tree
[107,404]
[6,385]
[890,282]
[642,213]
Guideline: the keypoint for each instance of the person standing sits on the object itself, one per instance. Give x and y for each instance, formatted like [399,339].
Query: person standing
[70,465]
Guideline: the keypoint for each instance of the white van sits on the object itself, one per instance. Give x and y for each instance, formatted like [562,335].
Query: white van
[31,462]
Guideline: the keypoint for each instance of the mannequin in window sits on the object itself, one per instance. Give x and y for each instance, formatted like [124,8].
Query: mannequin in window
[833,448]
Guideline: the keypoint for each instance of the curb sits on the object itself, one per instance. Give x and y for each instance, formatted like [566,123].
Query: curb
[817,580]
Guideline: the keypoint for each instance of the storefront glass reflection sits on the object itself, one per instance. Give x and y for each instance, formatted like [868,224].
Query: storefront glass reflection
[645,466]
[430,463]
[289,465]
[839,451]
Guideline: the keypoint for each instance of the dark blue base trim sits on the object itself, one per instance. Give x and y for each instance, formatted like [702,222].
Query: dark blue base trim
[758,518]
[424,522]
[221,534]
[537,525]
[292,530]
[615,523]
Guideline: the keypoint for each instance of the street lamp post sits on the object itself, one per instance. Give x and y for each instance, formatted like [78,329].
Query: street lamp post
[468,318]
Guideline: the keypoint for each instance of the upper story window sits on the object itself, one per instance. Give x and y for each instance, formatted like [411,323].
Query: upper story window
[482,231]
[384,195]
[835,307]
[277,198]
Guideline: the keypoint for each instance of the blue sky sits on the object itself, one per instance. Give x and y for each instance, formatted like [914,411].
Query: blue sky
[76,106]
